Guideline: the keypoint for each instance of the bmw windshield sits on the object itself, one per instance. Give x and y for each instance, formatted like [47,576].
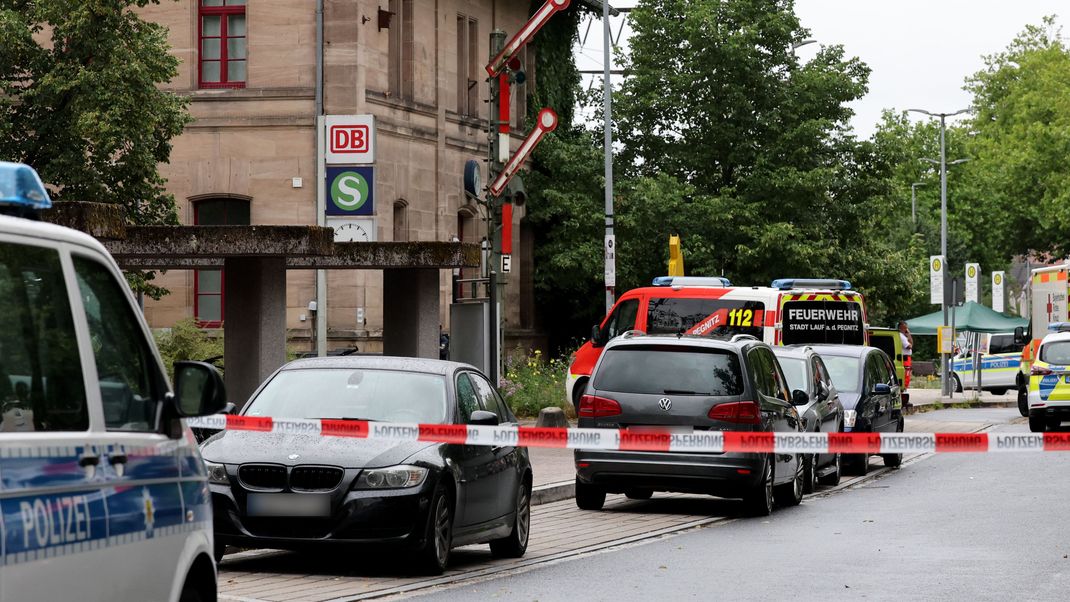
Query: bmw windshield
[337,393]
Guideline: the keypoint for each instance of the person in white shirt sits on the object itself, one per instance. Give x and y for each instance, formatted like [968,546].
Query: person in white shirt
[908,349]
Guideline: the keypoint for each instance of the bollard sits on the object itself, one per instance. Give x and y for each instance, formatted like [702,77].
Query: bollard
[552,417]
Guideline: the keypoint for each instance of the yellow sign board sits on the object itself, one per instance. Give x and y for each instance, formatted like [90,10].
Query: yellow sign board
[945,339]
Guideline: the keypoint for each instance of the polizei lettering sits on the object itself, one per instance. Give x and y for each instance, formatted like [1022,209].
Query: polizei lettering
[55,522]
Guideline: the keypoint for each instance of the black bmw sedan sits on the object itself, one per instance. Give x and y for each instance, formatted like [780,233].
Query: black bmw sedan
[290,491]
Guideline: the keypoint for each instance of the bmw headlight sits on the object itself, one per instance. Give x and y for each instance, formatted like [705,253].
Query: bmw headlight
[393,477]
[217,473]
[849,418]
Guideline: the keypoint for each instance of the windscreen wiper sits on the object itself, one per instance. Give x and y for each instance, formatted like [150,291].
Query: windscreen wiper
[683,392]
[347,418]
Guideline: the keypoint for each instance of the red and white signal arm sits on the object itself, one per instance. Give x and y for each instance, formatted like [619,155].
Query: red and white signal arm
[349,139]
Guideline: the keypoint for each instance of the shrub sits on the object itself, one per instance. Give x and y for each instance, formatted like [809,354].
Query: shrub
[184,341]
[531,383]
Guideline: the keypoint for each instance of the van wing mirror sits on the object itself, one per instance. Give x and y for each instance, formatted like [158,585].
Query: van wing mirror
[1019,336]
[199,389]
[799,398]
[596,336]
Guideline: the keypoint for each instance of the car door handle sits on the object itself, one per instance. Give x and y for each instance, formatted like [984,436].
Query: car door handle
[88,460]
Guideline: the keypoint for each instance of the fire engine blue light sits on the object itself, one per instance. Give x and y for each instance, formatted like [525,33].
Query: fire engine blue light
[20,185]
[691,281]
[790,283]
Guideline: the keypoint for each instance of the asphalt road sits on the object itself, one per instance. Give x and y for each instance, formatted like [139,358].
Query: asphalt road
[943,527]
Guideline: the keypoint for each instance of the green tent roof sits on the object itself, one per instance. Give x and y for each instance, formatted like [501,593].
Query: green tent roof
[969,317]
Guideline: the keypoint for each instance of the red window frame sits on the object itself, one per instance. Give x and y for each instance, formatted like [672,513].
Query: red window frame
[197,294]
[222,12]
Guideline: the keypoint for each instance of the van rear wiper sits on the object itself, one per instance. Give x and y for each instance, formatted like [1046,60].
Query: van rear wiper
[683,392]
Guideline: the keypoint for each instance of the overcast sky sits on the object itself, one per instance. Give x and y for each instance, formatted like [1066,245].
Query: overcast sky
[920,51]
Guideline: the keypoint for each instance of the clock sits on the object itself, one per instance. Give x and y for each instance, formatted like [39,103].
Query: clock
[353,230]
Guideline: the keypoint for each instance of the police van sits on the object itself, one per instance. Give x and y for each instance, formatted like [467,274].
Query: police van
[103,494]
[789,311]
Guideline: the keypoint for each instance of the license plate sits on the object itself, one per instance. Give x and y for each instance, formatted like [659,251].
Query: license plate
[288,504]
[667,429]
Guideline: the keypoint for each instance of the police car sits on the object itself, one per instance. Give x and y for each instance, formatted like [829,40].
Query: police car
[1049,380]
[103,494]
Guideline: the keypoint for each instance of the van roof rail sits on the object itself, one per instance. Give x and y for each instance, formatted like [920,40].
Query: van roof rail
[743,337]
[825,283]
[680,281]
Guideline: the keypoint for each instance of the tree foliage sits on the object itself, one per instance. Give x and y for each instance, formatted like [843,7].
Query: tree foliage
[80,101]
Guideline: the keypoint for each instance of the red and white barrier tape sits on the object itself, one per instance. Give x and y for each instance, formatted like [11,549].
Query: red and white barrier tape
[630,440]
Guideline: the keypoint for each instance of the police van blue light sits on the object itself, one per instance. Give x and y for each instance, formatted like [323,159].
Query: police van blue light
[21,187]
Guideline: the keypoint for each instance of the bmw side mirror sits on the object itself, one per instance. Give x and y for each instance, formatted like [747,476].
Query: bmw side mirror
[882,389]
[199,389]
[799,398]
[483,418]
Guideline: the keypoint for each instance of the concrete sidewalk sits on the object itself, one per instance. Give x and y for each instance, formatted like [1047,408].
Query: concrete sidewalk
[555,471]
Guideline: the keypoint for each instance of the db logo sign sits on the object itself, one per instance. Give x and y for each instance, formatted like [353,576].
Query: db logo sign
[350,139]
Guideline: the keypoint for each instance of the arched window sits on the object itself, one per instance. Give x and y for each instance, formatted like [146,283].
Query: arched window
[208,285]
[401,220]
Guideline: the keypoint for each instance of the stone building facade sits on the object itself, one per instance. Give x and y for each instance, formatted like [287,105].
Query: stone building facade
[249,68]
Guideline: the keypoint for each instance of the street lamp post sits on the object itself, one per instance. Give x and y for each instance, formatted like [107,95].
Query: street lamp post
[944,372]
[914,201]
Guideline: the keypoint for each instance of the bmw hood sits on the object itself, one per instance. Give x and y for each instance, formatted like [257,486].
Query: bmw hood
[849,400]
[240,447]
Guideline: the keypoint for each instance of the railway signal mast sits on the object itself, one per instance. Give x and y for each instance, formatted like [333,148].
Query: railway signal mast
[505,189]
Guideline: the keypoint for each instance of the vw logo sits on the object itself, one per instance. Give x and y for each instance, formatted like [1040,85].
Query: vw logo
[665,403]
[293,456]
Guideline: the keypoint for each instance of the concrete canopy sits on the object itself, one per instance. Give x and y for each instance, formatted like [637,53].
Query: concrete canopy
[256,259]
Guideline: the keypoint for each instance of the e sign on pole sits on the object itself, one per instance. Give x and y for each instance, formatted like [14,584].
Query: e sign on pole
[997,290]
[936,279]
[973,273]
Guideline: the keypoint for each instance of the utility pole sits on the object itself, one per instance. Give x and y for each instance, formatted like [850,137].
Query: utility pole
[607,106]
[945,375]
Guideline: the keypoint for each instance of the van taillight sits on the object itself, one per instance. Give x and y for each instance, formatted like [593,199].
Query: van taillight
[592,406]
[739,412]
[1039,371]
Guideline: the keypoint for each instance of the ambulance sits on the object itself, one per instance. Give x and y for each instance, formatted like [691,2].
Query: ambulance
[103,494]
[788,312]
[1048,288]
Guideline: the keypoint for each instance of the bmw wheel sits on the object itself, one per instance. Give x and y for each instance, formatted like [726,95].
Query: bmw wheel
[791,494]
[956,383]
[1023,401]
[516,543]
[759,500]
[434,554]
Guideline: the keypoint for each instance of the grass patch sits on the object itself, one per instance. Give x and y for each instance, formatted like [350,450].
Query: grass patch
[532,383]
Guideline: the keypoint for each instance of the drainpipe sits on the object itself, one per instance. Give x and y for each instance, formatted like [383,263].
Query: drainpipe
[320,326]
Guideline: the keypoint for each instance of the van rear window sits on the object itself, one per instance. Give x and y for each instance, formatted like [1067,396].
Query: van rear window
[719,317]
[670,370]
